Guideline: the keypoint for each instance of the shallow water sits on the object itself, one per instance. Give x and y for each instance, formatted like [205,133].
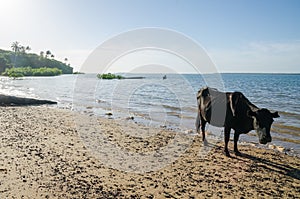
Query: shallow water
[171,102]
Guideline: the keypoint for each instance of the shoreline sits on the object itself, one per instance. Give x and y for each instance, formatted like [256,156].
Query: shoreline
[212,132]
[284,130]
[281,133]
[43,154]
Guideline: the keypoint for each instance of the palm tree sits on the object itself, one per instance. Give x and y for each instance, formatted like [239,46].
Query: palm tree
[28,48]
[15,46]
[42,53]
[52,56]
[48,52]
[66,59]
[22,49]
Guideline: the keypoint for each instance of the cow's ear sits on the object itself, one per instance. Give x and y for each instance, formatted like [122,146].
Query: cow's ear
[275,114]
[199,94]
[251,113]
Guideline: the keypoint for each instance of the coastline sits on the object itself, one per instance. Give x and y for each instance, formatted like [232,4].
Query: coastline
[43,155]
[165,110]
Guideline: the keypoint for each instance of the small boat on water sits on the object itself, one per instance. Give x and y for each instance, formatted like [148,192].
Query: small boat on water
[165,77]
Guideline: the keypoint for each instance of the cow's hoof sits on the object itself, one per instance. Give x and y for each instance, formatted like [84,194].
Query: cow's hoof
[227,153]
[237,153]
[205,143]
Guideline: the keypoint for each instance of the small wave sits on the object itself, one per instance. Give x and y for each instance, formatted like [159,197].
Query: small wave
[190,109]
[171,107]
[15,92]
[289,114]
[281,128]
[191,117]
[286,139]
[173,113]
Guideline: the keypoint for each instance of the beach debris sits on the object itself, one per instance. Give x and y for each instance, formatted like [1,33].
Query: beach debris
[189,131]
[271,146]
[280,148]
[100,101]
[252,144]
[2,169]
[130,118]
[289,149]
[108,113]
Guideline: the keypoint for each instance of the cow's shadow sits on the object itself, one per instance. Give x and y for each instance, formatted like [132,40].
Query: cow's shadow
[281,168]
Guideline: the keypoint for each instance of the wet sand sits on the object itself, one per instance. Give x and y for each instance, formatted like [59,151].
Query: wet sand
[51,153]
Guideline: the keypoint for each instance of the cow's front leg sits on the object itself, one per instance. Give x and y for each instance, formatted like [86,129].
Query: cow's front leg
[226,139]
[235,139]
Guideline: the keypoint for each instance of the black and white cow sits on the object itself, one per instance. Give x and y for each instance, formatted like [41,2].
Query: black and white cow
[232,110]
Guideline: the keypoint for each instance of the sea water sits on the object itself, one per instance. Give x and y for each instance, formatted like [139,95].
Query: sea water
[169,102]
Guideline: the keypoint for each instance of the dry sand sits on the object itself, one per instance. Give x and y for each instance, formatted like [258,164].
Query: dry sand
[45,153]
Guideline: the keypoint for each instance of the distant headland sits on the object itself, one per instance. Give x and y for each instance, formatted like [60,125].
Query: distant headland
[19,62]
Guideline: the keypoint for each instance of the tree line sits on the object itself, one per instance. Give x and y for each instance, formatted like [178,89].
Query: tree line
[20,57]
[28,71]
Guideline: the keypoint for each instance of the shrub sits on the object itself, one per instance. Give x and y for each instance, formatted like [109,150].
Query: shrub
[28,71]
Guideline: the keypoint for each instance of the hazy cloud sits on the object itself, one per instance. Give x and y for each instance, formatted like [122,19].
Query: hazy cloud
[259,57]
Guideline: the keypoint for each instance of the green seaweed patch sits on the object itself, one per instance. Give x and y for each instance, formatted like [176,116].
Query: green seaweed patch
[78,73]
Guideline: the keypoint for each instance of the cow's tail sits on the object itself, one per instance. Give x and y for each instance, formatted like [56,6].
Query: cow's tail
[198,123]
[198,119]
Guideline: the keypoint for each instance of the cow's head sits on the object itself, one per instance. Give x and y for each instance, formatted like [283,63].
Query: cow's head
[262,121]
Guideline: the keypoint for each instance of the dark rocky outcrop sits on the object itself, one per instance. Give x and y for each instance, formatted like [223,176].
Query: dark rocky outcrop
[6,100]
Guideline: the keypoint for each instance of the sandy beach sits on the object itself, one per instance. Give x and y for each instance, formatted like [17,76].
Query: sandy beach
[52,153]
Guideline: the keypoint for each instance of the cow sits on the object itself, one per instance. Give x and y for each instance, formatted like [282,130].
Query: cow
[232,110]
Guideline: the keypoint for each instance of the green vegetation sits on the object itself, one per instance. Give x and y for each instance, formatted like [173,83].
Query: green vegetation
[20,57]
[109,76]
[78,73]
[28,71]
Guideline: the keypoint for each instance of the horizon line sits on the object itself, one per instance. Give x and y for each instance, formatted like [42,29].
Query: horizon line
[275,73]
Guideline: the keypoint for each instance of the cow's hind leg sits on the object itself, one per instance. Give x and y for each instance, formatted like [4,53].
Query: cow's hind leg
[203,123]
[235,139]
[198,122]
[226,140]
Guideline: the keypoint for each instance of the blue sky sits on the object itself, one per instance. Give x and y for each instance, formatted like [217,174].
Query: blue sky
[239,36]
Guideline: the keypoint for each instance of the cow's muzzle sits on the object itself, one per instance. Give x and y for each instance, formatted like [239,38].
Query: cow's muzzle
[263,141]
[264,138]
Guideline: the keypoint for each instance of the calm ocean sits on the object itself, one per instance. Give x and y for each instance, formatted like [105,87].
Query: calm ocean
[170,102]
